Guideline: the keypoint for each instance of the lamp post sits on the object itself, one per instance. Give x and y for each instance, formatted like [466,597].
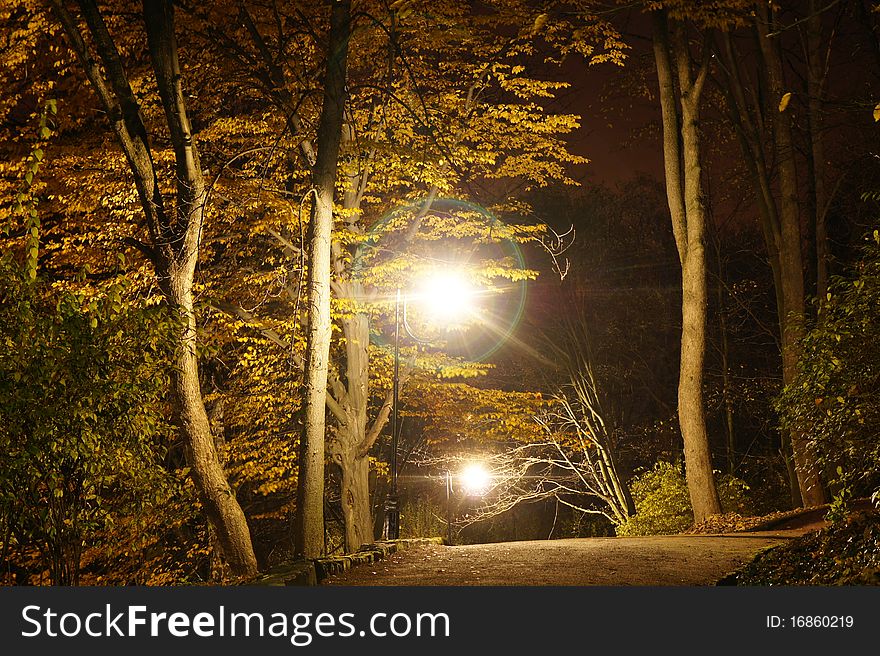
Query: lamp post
[449,507]
[449,296]
[392,501]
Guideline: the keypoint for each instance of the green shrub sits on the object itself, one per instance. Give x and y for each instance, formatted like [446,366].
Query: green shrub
[663,504]
[835,398]
[82,427]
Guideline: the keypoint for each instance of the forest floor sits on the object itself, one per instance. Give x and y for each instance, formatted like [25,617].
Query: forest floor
[721,550]
[846,553]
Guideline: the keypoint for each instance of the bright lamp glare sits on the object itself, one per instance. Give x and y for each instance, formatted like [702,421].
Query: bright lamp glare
[475,480]
[447,296]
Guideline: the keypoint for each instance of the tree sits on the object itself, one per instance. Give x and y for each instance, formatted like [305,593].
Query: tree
[680,107]
[531,448]
[82,434]
[817,76]
[581,418]
[426,124]
[791,263]
[82,380]
[759,123]
[309,528]
[175,234]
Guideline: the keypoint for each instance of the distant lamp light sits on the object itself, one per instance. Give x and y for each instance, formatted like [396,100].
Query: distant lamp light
[447,296]
[475,479]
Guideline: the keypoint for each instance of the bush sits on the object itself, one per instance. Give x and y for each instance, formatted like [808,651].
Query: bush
[82,427]
[835,398]
[663,504]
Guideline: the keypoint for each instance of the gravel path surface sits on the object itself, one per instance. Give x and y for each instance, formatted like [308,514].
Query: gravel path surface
[655,560]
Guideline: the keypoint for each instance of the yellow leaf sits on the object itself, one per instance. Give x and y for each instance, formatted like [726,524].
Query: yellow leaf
[538,24]
[877,112]
[784,102]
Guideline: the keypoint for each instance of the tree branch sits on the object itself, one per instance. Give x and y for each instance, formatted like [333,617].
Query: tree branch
[162,42]
[671,136]
[120,105]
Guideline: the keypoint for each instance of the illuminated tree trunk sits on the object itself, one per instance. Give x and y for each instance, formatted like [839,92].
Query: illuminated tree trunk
[682,161]
[309,520]
[348,450]
[347,396]
[355,491]
[355,435]
[175,238]
[222,508]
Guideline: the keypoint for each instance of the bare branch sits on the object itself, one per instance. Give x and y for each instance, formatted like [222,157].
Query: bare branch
[556,244]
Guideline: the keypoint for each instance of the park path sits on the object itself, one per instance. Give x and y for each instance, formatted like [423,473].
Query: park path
[654,560]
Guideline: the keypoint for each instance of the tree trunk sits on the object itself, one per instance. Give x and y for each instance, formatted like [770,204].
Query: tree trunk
[309,523]
[698,459]
[219,501]
[691,414]
[356,485]
[355,491]
[175,240]
[216,496]
[727,398]
[815,93]
[624,505]
[682,161]
[791,260]
[750,131]
[355,435]
[351,445]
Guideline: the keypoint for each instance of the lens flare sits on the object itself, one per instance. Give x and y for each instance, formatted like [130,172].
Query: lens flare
[447,296]
[412,242]
[475,479]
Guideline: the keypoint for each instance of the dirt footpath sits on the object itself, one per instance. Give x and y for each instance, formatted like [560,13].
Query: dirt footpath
[655,560]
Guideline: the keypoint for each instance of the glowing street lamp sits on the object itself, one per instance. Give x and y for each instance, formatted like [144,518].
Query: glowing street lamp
[475,480]
[446,297]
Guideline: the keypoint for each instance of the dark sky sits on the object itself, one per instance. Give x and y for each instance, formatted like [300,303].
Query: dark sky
[619,124]
[620,129]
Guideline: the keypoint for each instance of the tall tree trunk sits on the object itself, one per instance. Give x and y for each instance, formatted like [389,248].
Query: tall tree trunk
[175,239]
[791,260]
[309,518]
[355,491]
[355,435]
[219,501]
[216,496]
[348,447]
[682,161]
[220,504]
[815,93]
[750,129]
[727,398]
